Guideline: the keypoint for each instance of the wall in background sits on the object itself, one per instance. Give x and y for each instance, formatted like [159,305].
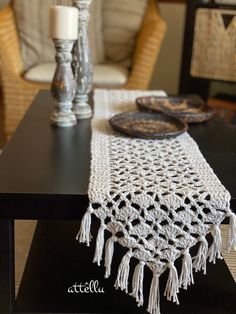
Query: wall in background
[167,72]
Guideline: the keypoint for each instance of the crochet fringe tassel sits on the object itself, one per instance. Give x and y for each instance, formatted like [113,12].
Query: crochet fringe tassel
[137,283]
[123,273]
[109,251]
[84,235]
[172,286]
[215,249]
[99,244]
[154,296]
[173,283]
[186,276]
[232,233]
[200,260]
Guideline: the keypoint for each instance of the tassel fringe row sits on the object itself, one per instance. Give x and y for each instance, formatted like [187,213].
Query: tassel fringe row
[173,283]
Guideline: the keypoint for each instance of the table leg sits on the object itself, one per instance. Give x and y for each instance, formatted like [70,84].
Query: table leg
[7,266]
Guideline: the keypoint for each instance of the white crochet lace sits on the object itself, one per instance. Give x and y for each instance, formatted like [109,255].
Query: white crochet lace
[157,198]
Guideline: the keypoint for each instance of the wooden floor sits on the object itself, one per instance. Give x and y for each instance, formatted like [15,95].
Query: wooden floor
[24,231]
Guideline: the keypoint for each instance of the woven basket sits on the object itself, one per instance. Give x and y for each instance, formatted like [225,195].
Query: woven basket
[226,2]
[214,45]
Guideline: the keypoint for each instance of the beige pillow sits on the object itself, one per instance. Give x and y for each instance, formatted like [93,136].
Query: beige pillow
[122,20]
[32,20]
[3,3]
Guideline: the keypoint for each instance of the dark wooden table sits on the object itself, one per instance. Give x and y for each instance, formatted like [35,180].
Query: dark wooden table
[44,175]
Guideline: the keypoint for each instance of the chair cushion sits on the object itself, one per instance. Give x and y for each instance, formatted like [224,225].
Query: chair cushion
[32,21]
[105,75]
[121,22]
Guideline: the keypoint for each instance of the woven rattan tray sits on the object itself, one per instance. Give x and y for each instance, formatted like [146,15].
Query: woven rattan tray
[188,110]
[148,125]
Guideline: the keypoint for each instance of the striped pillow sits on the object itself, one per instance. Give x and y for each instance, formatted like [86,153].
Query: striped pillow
[121,22]
[32,22]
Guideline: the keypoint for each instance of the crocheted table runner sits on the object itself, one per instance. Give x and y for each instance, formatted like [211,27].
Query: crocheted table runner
[157,198]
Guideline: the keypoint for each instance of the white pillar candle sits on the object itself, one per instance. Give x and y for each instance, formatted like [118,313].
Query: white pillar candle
[63,22]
